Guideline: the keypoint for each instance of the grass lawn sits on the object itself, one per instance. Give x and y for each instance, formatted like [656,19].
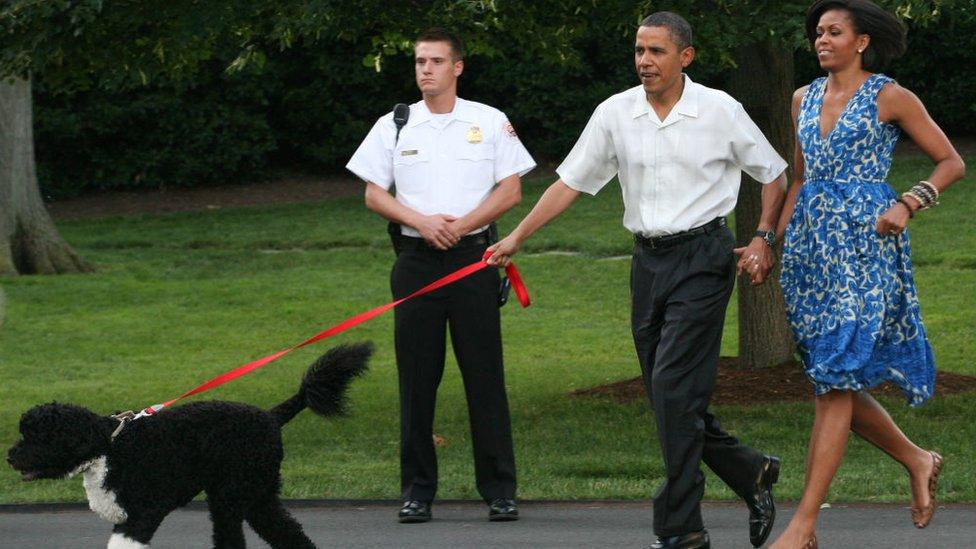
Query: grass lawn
[180,298]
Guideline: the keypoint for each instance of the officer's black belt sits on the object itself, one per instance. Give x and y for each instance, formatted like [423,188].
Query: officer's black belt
[414,243]
[668,240]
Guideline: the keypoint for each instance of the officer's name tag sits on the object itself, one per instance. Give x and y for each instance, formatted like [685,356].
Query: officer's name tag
[408,153]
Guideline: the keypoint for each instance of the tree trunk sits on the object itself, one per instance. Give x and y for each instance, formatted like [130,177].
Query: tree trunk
[29,242]
[763,83]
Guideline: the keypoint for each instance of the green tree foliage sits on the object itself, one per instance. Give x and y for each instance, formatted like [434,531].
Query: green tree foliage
[120,44]
[182,92]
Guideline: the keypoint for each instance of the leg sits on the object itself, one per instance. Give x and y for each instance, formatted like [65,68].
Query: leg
[679,298]
[135,532]
[873,424]
[419,327]
[828,441]
[227,516]
[476,337]
[121,541]
[276,526]
[735,463]
[682,381]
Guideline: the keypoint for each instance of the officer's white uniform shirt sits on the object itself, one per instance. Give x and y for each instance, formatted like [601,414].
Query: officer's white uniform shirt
[442,164]
[675,174]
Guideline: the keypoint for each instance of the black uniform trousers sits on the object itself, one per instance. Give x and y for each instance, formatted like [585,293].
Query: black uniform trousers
[470,308]
[679,294]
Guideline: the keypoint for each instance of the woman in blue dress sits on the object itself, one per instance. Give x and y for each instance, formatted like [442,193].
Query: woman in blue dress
[847,274]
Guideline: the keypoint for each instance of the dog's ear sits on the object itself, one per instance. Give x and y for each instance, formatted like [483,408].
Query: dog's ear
[73,427]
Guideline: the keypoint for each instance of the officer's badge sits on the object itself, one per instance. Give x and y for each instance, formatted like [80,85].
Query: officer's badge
[474,135]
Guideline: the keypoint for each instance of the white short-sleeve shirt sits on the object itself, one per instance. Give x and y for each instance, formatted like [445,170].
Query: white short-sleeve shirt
[675,174]
[442,164]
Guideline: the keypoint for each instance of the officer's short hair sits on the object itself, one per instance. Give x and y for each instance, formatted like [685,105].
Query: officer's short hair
[677,26]
[438,34]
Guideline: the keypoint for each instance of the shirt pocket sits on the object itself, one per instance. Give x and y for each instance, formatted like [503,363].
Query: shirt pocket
[475,162]
[411,172]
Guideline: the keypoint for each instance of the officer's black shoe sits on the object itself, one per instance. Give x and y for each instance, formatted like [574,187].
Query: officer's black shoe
[694,540]
[762,508]
[502,509]
[414,511]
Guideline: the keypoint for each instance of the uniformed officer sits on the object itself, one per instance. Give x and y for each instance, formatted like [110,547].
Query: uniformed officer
[679,149]
[456,167]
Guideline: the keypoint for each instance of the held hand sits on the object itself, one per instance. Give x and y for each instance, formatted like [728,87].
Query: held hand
[502,251]
[436,229]
[456,228]
[756,259]
[893,221]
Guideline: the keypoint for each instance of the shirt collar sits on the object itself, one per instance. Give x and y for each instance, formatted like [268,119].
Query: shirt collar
[687,105]
[420,113]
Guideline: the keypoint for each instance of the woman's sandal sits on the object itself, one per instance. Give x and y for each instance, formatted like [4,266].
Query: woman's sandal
[922,516]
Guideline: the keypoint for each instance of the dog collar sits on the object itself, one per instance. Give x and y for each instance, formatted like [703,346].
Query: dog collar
[82,468]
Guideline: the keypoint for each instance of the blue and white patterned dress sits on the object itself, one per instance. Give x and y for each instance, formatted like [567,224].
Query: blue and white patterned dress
[849,291]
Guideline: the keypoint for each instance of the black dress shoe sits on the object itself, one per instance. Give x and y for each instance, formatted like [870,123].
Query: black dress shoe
[694,540]
[414,511]
[502,509]
[762,508]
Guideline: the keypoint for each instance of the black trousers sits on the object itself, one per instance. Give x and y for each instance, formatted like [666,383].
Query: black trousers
[470,308]
[679,295]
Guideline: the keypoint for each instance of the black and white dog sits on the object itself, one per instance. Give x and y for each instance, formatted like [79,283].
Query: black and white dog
[155,464]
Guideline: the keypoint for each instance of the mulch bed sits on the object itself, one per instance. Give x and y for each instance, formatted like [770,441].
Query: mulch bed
[785,383]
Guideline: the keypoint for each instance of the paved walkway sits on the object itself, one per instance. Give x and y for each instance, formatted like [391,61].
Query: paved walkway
[464,524]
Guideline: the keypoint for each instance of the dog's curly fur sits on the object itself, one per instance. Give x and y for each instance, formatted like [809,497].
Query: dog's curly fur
[231,451]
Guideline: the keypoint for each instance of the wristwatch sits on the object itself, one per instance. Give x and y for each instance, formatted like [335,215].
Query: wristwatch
[769,237]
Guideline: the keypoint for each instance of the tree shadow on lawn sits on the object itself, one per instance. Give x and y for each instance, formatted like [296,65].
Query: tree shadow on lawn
[784,383]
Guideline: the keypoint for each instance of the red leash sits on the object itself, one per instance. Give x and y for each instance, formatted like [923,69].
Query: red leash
[513,275]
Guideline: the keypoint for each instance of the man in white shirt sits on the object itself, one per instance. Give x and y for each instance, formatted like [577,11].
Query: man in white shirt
[456,167]
[679,149]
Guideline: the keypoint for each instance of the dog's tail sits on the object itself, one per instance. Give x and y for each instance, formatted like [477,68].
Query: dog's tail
[324,385]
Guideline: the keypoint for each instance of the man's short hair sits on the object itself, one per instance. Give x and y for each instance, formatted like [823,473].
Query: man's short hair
[438,34]
[677,26]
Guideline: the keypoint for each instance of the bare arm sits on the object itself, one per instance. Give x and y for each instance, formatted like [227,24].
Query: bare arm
[773,198]
[757,257]
[798,170]
[435,229]
[505,196]
[898,105]
[553,202]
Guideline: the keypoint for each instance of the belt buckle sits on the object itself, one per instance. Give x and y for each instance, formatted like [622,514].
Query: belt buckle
[648,242]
